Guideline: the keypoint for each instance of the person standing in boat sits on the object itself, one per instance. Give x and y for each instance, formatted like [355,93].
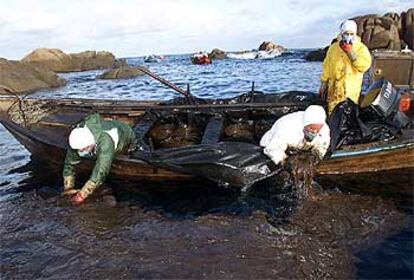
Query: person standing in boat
[303,130]
[99,140]
[345,63]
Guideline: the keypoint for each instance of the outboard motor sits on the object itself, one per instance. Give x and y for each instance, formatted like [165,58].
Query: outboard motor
[385,101]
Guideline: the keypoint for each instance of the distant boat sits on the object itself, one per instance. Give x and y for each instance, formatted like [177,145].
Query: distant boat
[200,58]
[255,55]
[153,58]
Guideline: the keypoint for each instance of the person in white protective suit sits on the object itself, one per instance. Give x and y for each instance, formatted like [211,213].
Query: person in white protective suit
[303,130]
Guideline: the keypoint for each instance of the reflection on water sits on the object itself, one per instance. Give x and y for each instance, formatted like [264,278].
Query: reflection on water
[131,231]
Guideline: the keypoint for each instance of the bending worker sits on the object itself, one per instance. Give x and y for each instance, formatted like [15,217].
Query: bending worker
[303,130]
[98,140]
[342,71]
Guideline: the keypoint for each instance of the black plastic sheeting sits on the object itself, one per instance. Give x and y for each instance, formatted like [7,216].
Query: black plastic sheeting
[228,163]
[349,125]
[254,97]
[234,164]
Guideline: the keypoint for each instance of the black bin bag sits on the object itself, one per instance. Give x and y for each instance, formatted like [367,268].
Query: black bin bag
[350,125]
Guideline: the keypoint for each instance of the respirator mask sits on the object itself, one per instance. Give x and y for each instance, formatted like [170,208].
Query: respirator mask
[348,38]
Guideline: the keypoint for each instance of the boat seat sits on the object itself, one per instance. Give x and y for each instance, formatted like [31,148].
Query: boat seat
[213,130]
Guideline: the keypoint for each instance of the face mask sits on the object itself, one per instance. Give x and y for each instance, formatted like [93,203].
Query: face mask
[85,154]
[310,135]
[348,39]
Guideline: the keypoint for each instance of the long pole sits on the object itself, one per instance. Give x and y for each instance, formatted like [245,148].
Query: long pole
[167,83]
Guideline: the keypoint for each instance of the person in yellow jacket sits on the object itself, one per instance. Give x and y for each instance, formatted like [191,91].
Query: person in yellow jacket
[342,71]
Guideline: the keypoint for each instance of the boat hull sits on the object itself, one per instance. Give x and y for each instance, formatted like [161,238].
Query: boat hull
[47,141]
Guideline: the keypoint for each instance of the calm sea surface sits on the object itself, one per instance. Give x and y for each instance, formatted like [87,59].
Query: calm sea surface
[166,231]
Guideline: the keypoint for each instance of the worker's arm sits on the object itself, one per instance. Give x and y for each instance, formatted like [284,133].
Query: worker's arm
[105,154]
[326,65]
[360,59]
[275,148]
[71,160]
[321,147]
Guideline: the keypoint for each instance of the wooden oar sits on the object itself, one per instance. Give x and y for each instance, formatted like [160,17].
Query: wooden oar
[187,93]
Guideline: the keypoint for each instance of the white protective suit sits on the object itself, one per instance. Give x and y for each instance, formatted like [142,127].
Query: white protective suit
[287,132]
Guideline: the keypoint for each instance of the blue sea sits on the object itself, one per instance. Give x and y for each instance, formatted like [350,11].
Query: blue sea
[41,238]
[221,79]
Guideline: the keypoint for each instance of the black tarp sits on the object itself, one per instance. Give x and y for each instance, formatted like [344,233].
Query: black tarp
[228,163]
[254,97]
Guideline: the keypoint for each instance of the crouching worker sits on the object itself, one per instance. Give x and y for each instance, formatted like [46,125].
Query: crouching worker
[99,140]
[303,130]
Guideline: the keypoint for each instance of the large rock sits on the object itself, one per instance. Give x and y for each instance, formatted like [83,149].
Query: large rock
[269,46]
[407,27]
[58,61]
[217,54]
[20,77]
[379,32]
[320,54]
[125,72]
[396,18]
[317,55]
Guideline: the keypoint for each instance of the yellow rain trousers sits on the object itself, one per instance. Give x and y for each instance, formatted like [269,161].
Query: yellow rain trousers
[342,74]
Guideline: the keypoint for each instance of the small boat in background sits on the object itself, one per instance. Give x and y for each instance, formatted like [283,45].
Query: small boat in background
[153,58]
[200,58]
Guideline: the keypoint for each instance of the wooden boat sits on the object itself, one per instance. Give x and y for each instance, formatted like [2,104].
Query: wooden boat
[44,126]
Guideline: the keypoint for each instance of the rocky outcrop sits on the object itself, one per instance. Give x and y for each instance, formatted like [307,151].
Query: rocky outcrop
[317,55]
[20,77]
[391,31]
[320,54]
[58,61]
[125,72]
[407,27]
[378,32]
[269,46]
[217,54]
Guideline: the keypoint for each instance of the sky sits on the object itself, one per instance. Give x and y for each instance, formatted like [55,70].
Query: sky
[130,28]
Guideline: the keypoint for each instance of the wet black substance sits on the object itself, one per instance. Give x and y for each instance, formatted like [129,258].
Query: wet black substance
[193,231]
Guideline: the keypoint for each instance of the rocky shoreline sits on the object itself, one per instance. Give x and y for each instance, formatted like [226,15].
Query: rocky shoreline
[21,77]
[38,70]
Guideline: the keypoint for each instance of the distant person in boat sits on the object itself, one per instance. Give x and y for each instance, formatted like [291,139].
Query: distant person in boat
[303,130]
[98,140]
[200,58]
[346,61]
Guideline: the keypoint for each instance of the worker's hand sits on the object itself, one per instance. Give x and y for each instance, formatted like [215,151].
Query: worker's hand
[347,48]
[322,91]
[316,157]
[77,199]
[70,192]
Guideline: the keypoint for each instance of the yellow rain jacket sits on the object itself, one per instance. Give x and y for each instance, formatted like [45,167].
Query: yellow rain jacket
[343,76]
